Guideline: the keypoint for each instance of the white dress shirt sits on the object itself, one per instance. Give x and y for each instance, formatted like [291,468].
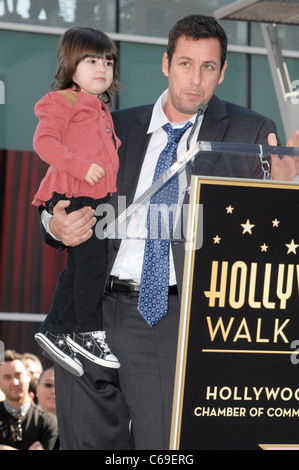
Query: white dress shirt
[129,260]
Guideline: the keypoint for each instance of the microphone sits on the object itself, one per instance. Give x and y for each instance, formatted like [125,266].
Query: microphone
[201,110]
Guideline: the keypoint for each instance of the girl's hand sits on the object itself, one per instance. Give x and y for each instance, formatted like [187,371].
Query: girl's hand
[94,174]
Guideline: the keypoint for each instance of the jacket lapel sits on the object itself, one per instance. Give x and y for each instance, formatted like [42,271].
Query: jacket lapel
[213,129]
[215,121]
[136,146]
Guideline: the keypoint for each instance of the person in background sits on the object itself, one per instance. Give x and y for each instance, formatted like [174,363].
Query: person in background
[33,365]
[35,369]
[45,391]
[22,425]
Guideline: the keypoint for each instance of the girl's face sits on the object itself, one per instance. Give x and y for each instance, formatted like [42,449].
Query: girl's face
[94,75]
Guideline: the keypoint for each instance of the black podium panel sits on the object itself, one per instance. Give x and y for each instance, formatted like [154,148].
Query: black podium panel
[237,378]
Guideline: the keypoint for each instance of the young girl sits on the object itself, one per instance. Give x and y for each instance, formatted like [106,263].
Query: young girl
[75,135]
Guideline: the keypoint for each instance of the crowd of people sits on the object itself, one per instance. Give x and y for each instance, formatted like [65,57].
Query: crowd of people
[27,404]
[104,408]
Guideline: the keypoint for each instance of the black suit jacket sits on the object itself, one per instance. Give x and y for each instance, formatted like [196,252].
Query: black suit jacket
[223,122]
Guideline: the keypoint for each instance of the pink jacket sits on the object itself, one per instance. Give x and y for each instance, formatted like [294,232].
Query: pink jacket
[75,129]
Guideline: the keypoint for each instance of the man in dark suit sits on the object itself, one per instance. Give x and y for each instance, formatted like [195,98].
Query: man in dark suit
[94,411]
[23,426]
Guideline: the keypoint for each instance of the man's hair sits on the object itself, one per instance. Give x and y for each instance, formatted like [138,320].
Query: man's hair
[33,358]
[76,44]
[197,27]
[10,355]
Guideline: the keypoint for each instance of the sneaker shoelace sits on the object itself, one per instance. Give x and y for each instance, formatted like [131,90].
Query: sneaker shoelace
[100,337]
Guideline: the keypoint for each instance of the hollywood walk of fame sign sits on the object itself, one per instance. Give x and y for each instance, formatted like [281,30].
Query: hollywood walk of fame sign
[237,381]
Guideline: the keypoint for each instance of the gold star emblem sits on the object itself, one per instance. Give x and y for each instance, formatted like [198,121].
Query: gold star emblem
[229,209]
[217,240]
[264,248]
[292,247]
[247,227]
[275,223]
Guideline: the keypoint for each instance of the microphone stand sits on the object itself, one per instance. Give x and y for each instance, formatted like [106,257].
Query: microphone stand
[201,110]
[189,168]
[114,227]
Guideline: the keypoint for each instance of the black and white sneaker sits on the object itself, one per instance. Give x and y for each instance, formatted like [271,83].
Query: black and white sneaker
[92,345]
[58,349]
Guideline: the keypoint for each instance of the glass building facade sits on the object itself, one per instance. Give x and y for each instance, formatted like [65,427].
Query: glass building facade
[29,31]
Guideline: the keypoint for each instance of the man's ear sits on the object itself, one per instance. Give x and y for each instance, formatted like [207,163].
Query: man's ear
[222,73]
[165,64]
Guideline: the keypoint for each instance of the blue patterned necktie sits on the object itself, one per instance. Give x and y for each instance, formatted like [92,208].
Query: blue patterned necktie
[154,285]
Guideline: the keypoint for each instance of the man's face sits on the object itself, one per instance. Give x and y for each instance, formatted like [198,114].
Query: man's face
[193,76]
[14,382]
[46,391]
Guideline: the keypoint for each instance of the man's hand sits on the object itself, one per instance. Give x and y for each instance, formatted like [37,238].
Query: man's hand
[288,168]
[294,140]
[36,446]
[74,228]
[94,174]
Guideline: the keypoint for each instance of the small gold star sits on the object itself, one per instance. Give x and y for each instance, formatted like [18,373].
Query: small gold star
[264,248]
[247,227]
[216,240]
[292,247]
[229,209]
[275,223]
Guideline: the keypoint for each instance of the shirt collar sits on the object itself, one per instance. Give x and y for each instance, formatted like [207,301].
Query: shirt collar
[22,411]
[159,118]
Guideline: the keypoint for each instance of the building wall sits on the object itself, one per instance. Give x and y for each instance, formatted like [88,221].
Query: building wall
[29,35]
[28,41]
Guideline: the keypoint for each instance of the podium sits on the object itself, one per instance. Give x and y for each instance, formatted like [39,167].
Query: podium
[236,384]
